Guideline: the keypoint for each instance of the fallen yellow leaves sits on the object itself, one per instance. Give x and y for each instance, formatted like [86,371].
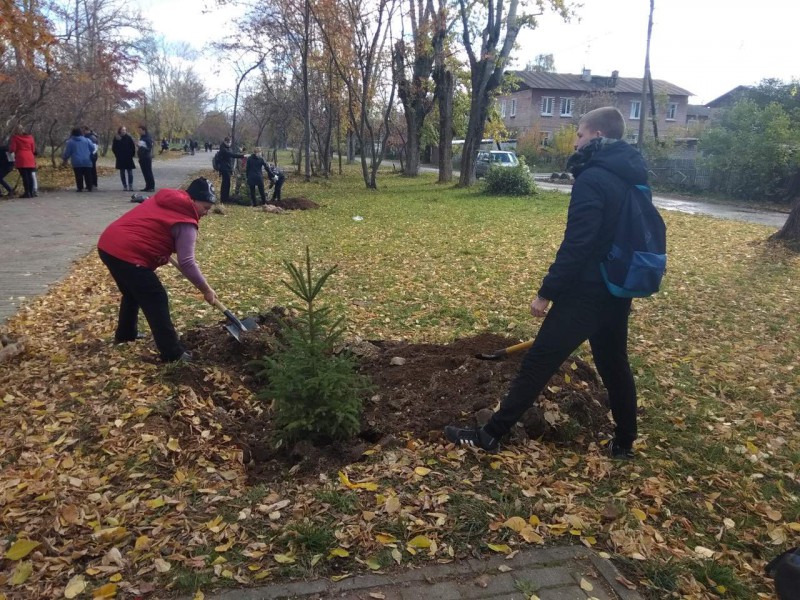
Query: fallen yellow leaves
[21,548]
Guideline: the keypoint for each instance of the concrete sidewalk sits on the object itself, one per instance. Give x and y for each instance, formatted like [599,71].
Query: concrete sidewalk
[562,573]
[41,237]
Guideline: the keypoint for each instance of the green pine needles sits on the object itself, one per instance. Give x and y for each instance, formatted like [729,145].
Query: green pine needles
[315,394]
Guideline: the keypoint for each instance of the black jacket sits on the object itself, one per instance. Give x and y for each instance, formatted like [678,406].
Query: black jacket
[601,184]
[255,165]
[124,150]
[226,156]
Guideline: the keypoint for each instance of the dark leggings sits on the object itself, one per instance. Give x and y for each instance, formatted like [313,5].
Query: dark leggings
[591,313]
[141,288]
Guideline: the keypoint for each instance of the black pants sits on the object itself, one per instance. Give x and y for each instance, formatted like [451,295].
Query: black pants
[129,182]
[252,184]
[83,175]
[141,288]
[27,180]
[225,187]
[593,314]
[276,195]
[94,170]
[146,165]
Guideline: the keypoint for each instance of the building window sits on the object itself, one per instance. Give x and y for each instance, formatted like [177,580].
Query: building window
[566,107]
[636,109]
[672,110]
[547,106]
[544,139]
[513,107]
[633,137]
[503,108]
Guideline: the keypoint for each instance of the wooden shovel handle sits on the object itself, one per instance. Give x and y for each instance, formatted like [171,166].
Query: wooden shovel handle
[519,347]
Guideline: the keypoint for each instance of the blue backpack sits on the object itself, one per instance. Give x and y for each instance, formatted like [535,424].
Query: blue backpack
[637,260]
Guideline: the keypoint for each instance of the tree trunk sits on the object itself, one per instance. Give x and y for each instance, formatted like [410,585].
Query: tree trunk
[790,232]
[446,126]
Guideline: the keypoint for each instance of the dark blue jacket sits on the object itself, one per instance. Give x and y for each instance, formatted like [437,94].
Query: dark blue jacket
[597,194]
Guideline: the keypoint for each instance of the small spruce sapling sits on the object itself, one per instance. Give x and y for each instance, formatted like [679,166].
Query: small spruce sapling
[315,394]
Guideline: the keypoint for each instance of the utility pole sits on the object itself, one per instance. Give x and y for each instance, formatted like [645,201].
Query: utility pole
[645,79]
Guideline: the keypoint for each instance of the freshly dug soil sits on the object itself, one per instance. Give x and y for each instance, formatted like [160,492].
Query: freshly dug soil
[417,390]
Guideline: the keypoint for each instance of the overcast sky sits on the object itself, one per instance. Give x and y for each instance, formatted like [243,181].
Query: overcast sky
[705,46]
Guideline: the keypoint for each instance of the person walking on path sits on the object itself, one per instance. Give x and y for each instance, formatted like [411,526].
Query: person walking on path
[78,151]
[89,134]
[6,166]
[124,149]
[604,167]
[145,155]
[226,157]
[143,239]
[23,146]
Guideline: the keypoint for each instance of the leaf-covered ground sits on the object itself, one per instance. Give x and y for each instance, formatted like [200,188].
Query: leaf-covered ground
[119,479]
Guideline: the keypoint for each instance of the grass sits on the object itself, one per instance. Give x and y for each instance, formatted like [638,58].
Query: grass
[715,355]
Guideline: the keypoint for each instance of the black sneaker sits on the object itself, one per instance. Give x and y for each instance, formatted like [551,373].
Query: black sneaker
[618,452]
[471,436]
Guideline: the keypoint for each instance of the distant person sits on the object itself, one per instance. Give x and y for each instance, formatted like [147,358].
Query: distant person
[164,146]
[78,150]
[145,154]
[226,157]
[254,170]
[141,241]
[23,146]
[92,137]
[276,179]
[580,305]
[124,149]
[6,166]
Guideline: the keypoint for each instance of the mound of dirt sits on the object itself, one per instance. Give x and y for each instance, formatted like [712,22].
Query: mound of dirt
[298,203]
[417,390]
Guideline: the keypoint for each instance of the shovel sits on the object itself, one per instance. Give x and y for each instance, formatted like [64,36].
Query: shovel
[234,326]
[498,354]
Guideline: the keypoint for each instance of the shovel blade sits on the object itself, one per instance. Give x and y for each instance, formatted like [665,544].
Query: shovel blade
[249,324]
[235,332]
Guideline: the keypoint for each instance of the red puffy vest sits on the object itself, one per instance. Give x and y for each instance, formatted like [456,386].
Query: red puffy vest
[143,236]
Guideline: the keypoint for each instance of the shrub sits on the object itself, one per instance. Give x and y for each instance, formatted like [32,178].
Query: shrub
[315,394]
[510,181]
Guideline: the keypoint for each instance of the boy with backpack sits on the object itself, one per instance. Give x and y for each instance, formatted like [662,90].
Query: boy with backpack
[581,304]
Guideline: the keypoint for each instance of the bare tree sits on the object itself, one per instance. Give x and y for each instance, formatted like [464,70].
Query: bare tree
[495,27]
[415,88]
[369,105]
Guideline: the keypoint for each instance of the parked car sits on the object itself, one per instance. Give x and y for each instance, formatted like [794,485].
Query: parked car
[494,158]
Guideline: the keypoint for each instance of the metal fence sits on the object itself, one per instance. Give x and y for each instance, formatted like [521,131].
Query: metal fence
[682,173]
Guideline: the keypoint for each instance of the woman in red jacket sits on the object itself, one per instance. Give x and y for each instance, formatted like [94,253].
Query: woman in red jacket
[24,149]
[143,239]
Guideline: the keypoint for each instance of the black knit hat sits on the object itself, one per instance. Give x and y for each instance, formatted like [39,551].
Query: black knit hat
[202,189]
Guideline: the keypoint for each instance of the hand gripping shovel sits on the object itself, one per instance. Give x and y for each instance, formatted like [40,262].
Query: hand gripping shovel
[499,354]
[234,326]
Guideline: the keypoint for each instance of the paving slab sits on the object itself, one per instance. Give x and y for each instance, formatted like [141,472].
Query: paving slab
[41,237]
[560,573]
